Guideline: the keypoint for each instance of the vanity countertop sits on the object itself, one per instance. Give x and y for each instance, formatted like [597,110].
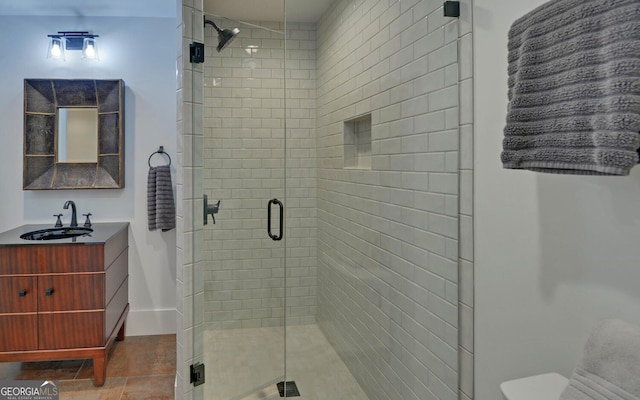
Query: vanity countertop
[102,231]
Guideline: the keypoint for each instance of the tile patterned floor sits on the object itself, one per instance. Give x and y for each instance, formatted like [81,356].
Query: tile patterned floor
[139,368]
[242,364]
[246,364]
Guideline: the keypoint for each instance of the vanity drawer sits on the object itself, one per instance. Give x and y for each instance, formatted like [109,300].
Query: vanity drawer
[17,294]
[18,260]
[70,330]
[71,258]
[70,292]
[18,332]
[44,259]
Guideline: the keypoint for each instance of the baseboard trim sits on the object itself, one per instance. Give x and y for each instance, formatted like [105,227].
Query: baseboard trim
[151,322]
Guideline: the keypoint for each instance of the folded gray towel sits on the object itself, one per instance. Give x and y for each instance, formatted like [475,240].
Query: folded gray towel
[161,208]
[574,88]
[610,365]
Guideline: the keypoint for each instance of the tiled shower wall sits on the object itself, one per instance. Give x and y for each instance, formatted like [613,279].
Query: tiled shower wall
[189,287]
[388,236]
[465,256]
[244,159]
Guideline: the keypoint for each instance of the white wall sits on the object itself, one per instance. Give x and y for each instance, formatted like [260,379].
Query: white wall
[554,254]
[142,52]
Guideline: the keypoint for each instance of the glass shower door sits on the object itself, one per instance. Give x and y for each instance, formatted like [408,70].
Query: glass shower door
[243,252]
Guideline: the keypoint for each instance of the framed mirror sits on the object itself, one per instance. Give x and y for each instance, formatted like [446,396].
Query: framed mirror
[73,134]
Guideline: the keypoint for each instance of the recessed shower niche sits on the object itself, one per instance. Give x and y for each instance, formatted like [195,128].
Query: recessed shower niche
[357,143]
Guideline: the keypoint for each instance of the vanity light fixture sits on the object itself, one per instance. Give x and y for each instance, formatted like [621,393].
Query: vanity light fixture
[73,40]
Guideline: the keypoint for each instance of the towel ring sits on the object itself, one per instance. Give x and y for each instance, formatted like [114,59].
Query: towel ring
[159,151]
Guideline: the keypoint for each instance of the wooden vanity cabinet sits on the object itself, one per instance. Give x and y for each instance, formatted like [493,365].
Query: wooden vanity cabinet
[63,301]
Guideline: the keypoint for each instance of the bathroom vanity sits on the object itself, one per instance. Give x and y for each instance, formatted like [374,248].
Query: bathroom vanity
[63,299]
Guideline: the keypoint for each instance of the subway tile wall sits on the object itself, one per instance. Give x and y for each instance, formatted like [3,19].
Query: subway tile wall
[388,238]
[244,160]
[466,260]
[189,237]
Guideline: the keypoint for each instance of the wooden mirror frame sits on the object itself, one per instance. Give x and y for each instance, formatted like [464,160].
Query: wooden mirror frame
[42,99]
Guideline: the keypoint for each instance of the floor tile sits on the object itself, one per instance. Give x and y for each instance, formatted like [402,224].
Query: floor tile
[138,368]
[246,364]
[51,370]
[84,389]
[139,356]
[160,387]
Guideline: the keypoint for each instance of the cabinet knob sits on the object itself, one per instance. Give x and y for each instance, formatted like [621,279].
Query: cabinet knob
[22,293]
[49,292]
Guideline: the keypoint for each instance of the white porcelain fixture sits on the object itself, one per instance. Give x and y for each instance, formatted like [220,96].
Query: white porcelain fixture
[539,387]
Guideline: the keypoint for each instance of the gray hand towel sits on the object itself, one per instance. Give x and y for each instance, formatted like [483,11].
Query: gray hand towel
[161,209]
[574,88]
[610,365]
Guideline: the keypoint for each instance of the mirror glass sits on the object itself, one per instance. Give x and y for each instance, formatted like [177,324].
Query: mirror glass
[77,135]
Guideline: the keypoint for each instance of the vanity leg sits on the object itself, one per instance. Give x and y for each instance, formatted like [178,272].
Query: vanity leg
[99,369]
[121,332]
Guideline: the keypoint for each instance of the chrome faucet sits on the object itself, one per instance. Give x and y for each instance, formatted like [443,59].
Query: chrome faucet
[74,219]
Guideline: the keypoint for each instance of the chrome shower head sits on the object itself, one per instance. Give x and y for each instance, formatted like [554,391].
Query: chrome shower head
[225,36]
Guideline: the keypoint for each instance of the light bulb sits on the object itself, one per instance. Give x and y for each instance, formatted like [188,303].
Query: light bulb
[89,49]
[90,52]
[55,50]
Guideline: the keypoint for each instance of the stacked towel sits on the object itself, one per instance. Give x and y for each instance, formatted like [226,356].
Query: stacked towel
[574,88]
[161,209]
[610,365]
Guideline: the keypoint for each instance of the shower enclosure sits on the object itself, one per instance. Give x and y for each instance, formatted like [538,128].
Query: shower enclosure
[330,269]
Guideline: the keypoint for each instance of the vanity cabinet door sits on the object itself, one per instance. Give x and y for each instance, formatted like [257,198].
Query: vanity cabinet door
[18,332]
[18,313]
[70,292]
[69,330]
[17,294]
[70,311]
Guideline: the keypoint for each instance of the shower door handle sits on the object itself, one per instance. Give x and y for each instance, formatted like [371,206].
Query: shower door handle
[280,205]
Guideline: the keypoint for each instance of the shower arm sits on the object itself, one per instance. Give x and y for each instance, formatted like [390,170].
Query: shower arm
[206,21]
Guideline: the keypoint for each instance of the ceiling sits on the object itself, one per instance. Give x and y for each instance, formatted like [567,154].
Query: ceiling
[243,10]
[268,10]
[90,8]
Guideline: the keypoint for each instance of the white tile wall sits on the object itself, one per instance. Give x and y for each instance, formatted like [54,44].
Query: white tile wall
[190,289]
[388,294]
[181,333]
[465,262]
[244,128]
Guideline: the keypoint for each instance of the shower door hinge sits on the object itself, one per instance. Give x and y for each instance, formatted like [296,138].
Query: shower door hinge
[452,9]
[197,374]
[196,53]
